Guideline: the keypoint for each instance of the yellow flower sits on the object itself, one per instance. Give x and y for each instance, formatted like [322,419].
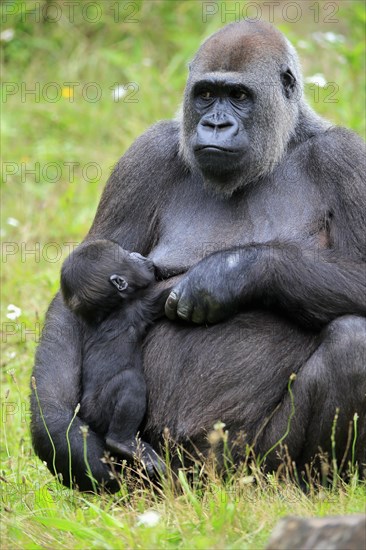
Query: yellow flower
[67,92]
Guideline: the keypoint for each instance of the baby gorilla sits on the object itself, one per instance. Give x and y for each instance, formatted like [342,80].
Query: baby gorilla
[112,291]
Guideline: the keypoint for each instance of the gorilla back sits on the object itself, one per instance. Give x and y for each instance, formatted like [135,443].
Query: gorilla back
[261,204]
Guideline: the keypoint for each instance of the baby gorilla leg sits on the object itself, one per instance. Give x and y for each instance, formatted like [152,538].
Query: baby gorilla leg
[129,411]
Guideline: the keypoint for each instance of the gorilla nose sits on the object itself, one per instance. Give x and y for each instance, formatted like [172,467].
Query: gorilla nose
[217,128]
[137,256]
[217,123]
[149,263]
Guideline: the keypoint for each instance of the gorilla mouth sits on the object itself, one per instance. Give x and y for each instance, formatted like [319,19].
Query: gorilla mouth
[214,149]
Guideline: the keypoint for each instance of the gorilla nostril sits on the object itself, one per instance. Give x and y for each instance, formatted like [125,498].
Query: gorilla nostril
[217,125]
[208,123]
[224,124]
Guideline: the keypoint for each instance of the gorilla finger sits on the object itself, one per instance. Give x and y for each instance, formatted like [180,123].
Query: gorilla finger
[171,305]
[198,315]
[185,308]
[184,312]
[216,314]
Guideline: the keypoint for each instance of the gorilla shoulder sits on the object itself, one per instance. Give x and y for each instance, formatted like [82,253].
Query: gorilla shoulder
[340,146]
[153,151]
[139,183]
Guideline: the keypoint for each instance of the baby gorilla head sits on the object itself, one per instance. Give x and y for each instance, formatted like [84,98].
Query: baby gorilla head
[98,274]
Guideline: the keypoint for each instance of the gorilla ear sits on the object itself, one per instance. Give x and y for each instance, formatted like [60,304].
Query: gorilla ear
[119,282]
[288,82]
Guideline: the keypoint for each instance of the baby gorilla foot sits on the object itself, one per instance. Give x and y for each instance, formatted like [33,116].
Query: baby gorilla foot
[138,450]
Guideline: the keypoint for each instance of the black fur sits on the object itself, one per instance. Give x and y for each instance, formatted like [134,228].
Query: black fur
[112,291]
[261,203]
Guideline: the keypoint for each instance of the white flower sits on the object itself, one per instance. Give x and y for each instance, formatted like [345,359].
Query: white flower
[118,92]
[11,354]
[14,312]
[303,44]
[330,37]
[334,38]
[149,518]
[7,35]
[12,221]
[219,426]
[318,79]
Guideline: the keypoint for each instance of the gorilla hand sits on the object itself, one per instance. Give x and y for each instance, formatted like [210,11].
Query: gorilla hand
[214,288]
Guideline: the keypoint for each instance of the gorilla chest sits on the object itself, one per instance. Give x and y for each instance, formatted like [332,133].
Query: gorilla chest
[191,228]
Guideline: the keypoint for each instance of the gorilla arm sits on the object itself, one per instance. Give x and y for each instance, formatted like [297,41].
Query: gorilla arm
[313,289]
[310,285]
[128,210]
[127,214]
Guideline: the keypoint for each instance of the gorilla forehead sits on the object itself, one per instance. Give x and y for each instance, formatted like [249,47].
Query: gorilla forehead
[238,45]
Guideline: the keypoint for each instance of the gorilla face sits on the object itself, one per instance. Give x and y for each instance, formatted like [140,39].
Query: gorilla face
[221,141]
[98,274]
[240,106]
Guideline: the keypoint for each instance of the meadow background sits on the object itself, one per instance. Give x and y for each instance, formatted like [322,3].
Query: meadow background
[80,81]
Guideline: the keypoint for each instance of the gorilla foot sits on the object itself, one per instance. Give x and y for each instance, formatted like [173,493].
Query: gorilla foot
[138,450]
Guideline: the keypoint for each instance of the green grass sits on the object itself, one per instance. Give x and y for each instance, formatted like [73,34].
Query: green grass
[52,212]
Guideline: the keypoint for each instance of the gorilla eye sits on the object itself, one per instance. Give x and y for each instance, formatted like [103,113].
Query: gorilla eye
[238,95]
[205,94]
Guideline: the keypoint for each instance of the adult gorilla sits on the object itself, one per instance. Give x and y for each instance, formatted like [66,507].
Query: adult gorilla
[264,203]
